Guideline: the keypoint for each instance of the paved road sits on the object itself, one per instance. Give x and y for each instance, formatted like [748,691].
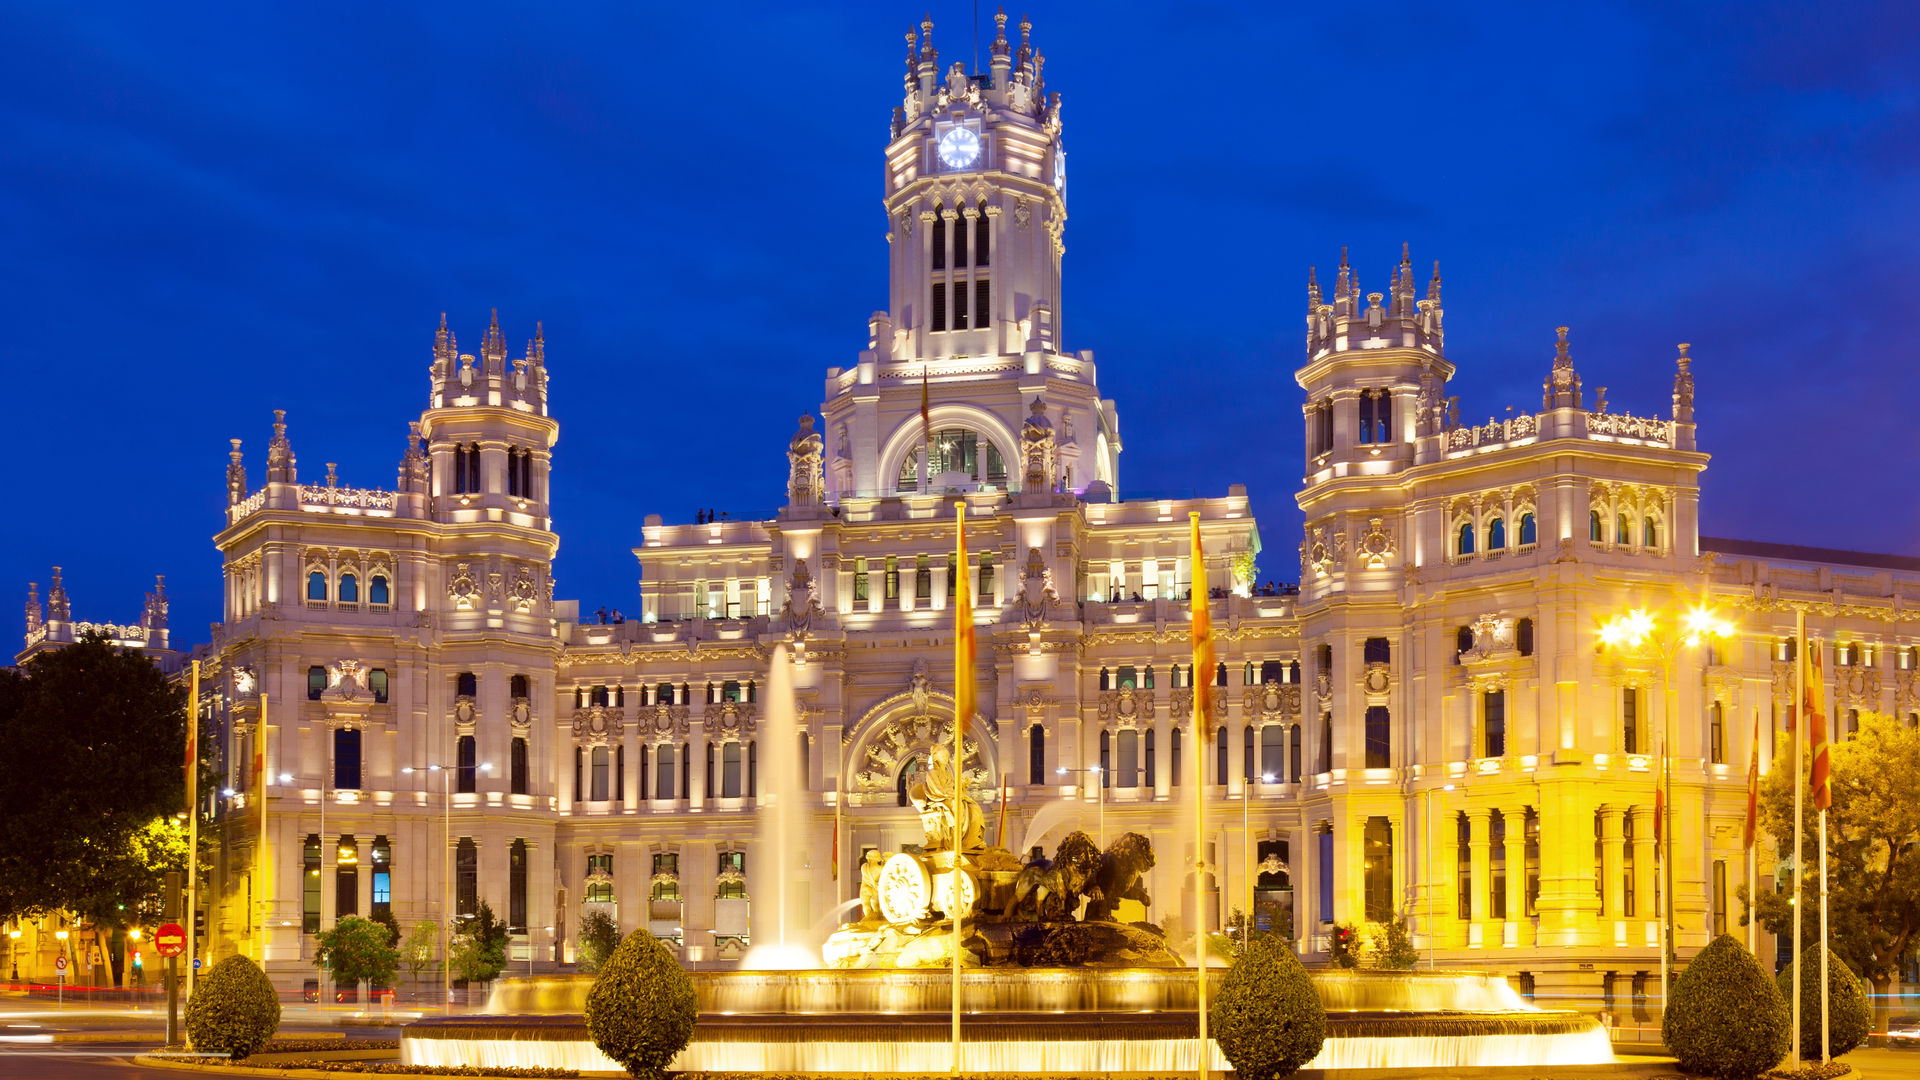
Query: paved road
[95,1043]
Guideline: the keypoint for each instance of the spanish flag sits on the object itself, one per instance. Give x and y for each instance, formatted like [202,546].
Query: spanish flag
[962,632]
[1203,661]
[1817,727]
[1753,786]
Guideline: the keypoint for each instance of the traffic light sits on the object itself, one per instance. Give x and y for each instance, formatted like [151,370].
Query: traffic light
[136,959]
[200,927]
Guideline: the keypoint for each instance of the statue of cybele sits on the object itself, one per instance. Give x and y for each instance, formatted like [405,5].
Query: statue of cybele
[932,794]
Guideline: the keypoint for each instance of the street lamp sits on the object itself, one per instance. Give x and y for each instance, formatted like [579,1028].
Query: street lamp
[446,873]
[1643,633]
[13,936]
[1432,919]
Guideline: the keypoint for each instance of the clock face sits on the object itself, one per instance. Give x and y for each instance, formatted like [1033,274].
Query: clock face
[959,148]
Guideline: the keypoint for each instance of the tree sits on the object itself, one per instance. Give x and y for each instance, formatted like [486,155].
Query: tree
[421,952]
[642,1008]
[480,946]
[599,936]
[1391,947]
[91,740]
[1873,850]
[1267,1018]
[1344,948]
[357,950]
[1726,1017]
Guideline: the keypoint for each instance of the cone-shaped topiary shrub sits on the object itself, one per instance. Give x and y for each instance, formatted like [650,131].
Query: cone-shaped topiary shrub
[1726,1018]
[641,1009]
[233,1009]
[1267,1018]
[1849,1016]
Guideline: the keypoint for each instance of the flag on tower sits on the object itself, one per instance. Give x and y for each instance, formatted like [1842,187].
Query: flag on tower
[1203,661]
[1753,786]
[1822,778]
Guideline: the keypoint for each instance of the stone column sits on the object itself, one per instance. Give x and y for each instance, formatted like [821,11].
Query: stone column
[1519,926]
[630,774]
[1612,865]
[1162,754]
[1645,911]
[563,765]
[1479,835]
[1234,731]
[696,793]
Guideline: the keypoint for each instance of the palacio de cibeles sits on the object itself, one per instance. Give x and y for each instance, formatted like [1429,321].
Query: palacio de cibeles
[1505,701]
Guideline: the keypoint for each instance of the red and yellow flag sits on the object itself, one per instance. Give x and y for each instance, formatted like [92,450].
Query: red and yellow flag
[1822,777]
[1203,661]
[1753,786]
[962,628]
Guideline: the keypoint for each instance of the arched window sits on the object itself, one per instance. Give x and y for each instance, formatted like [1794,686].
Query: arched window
[513,470]
[1623,530]
[663,892]
[1529,532]
[1220,674]
[316,586]
[1464,542]
[939,243]
[1496,535]
[1462,639]
[473,467]
[377,590]
[1106,679]
[1249,765]
[1523,636]
[1246,674]
[316,682]
[349,589]
[908,773]
[1594,532]
[1652,534]
[1036,755]
[981,232]
[466,685]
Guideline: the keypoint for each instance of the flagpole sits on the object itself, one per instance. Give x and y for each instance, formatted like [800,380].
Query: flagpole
[193,815]
[1202,690]
[1799,736]
[962,716]
[1826,1047]
[260,792]
[1660,867]
[1753,835]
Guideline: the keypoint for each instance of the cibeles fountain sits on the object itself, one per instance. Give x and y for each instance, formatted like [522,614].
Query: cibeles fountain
[1054,980]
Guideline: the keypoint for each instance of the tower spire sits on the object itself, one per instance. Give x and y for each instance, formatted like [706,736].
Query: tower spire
[1342,286]
[1313,292]
[1433,287]
[58,609]
[1561,390]
[236,474]
[280,459]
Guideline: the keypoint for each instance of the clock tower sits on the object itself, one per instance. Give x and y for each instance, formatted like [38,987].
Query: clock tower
[975,197]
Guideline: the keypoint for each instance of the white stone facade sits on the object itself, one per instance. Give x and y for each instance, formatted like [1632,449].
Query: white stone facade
[1417,691]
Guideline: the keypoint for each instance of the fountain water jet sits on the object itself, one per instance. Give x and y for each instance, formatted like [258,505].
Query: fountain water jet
[783,834]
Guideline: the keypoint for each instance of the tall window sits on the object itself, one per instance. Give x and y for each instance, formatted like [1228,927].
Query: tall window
[1249,758]
[1173,755]
[1379,737]
[465,765]
[1320,416]
[1378,869]
[982,229]
[517,887]
[1496,535]
[1595,531]
[1273,750]
[310,885]
[378,681]
[1630,720]
[1627,898]
[1463,867]
[1719,897]
[377,590]
[730,770]
[466,874]
[1523,636]
[860,579]
[1716,734]
[316,682]
[316,586]
[982,295]
[346,758]
[1293,753]
[1497,883]
[922,578]
[598,763]
[1495,704]
[939,240]
[1220,756]
[960,232]
[665,770]
[1529,531]
[986,578]
[346,878]
[517,766]
[467,684]
[1532,855]
[382,878]
[893,577]
[1464,539]
[349,589]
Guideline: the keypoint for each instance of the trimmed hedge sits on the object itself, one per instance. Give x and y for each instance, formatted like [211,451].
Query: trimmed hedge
[1726,1018]
[233,1009]
[641,1009]
[1849,1015]
[1267,1018]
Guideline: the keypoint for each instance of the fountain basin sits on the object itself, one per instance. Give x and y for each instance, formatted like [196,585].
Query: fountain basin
[1032,1021]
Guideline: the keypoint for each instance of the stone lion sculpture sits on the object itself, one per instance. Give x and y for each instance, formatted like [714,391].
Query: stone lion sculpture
[1054,886]
[1117,876]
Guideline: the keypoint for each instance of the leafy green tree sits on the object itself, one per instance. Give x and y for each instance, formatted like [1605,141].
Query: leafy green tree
[1849,1017]
[642,1007]
[1726,1017]
[1267,1018]
[357,950]
[91,739]
[480,946]
[1873,850]
[599,936]
[1391,947]
[421,951]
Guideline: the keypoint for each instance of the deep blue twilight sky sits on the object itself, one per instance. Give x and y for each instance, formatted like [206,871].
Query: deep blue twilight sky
[206,214]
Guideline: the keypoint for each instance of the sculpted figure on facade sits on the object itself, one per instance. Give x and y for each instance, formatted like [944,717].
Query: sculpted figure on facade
[805,454]
[1037,596]
[1037,445]
[931,793]
[803,600]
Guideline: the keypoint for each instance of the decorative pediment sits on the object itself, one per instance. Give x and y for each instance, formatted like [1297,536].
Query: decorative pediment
[1126,707]
[734,719]
[462,587]
[520,715]
[1271,702]
[1856,686]
[1722,684]
[598,723]
[664,723]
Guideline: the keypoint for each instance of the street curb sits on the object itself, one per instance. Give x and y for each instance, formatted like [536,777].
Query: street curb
[177,1065]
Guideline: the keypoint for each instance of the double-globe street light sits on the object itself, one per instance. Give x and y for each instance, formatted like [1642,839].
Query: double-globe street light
[1661,636]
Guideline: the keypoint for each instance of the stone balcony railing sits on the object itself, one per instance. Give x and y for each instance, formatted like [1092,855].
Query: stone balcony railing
[1626,426]
[324,499]
[1493,433]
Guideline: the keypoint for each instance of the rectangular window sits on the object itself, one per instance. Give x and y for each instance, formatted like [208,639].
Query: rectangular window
[922,578]
[377,679]
[1496,723]
[893,577]
[467,765]
[981,296]
[1627,898]
[1463,868]
[1379,737]
[310,885]
[382,877]
[1324,872]
[860,580]
[960,305]
[517,766]
[730,771]
[1173,757]
[1630,720]
[517,887]
[937,320]
[1719,897]
[1497,883]
[466,863]
[665,771]
[1716,734]
[982,229]
[938,240]
[1378,870]
[346,759]
[620,773]
[598,775]
[346,879]
[1220,756]
[960,243]
[986,579]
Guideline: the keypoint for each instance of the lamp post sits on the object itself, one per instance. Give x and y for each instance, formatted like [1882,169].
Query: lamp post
[13,950]
[1433,929]
[1640,632]
[446,874]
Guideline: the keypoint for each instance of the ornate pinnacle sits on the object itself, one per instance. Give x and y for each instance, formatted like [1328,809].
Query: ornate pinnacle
[1313,292]
[539,343]
[1000,47]
[1683,386]
[1026,50]
[1433,287]
[927,52]
[494,347]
